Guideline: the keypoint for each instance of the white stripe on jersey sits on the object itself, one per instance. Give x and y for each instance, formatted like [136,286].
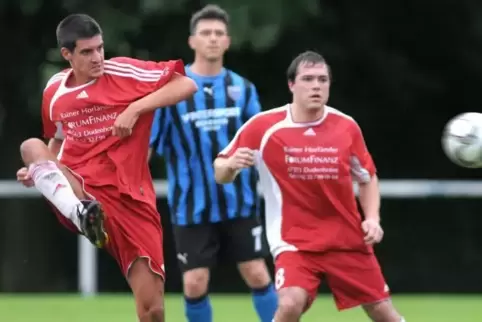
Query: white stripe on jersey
[142,78]
[111,63]
[129,70]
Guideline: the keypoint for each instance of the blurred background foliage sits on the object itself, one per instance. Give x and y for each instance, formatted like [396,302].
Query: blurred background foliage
[401,68]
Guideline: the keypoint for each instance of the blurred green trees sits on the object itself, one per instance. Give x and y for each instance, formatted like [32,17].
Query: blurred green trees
[398,65]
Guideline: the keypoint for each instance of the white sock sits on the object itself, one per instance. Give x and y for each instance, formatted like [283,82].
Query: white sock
[54,186]
[402,320]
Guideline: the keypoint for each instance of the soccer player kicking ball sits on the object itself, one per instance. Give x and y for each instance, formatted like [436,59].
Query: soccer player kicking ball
[307,155]
[97,115]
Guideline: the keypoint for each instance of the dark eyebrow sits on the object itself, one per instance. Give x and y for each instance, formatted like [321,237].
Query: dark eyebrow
[90,49]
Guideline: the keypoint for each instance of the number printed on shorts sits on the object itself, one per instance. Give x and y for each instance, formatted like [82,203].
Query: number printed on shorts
[257,233]
[279,278]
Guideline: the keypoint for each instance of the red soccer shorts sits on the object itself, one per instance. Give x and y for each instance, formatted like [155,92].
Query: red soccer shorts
[134,228]
[354,278]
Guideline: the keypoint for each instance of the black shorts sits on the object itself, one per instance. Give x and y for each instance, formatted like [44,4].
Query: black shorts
[236,240]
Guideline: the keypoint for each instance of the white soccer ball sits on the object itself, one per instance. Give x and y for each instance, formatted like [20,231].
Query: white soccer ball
[462,140]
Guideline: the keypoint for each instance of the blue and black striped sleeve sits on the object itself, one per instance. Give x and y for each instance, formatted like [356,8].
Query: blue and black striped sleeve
[253,106]
[159,130]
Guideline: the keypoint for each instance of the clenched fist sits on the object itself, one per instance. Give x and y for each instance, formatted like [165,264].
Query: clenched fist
[124,123]
[373,231]
[24,177]
[242,158]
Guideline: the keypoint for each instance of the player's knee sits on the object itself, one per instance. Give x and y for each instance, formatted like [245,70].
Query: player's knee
[255,273]
[196,282]
[382,312]
[290,306]
[32,149]
[153,314]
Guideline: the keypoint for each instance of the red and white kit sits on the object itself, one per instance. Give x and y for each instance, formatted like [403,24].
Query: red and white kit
[112,170]
[313,225]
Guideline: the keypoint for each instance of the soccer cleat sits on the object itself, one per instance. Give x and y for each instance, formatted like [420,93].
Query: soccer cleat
[92,223]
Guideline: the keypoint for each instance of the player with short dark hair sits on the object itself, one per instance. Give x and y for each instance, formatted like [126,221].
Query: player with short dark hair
[97,116]
[307,155]
[209,12]
[211,221]
[75,27]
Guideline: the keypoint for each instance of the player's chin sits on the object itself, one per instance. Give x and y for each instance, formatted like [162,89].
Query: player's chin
[96,72]
[213,57]
[315,105]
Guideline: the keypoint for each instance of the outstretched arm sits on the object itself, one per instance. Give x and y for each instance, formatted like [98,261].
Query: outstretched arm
[177,89]
[147,85]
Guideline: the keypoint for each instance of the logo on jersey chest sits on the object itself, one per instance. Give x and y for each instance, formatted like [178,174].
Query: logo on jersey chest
[92,120]
[234,92]
[82,112]
[213,119]
[312,162]
[90,123]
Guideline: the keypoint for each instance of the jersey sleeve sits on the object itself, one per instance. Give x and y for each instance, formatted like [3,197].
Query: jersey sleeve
[51,130]
[159,130]
[361,162]
[136,78]
[253,105]
[246,137]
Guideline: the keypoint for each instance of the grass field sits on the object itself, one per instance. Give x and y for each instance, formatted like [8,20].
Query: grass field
[228,308]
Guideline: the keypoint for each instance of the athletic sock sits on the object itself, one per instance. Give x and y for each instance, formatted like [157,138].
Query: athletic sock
[198,309]
[55,187]
[265,302]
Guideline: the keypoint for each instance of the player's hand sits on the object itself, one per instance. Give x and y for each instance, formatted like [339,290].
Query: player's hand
[124,123]
[242,158]
[373,231]
[24,177]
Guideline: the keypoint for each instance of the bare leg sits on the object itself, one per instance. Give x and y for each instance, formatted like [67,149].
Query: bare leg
[148,290]
[382,311]
[256,275]
[197,305]
[291,305]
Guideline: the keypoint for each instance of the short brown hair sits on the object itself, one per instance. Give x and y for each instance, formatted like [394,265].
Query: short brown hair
[309,57]
[75,27]
[209,12]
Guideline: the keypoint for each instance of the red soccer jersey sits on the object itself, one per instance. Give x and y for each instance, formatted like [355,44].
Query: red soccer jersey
[83,117]
[306,173]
